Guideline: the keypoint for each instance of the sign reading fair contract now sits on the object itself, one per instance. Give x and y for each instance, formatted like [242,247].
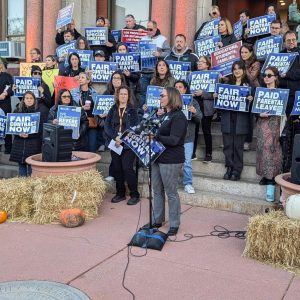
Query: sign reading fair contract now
[23,123]
[102,70]
[232,97]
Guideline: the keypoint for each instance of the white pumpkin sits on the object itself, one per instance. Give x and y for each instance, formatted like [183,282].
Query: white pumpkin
[292,207]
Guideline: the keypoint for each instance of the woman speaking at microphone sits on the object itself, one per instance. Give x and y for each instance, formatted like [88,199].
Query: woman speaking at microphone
[166,169]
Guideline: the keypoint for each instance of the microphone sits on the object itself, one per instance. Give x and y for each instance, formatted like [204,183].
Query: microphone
[145,121]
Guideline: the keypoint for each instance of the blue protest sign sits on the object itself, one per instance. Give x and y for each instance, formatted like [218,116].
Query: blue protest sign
[260,25]
[139,144]
[204,80]
[209,29]
[117,35]
[102,70]
[148,60]
[69,117]
[282,61]
[232,97]
[24,84]
[180,70]
[65,16]
[296,108]
[96,35]
[62,51]
[2,126]
[132,47]
[153,96]
[206,46]
[238,29]
[270,101]
[18,123]
[271,44]
[187,101]
[85,56]
[127,61]
[103,104]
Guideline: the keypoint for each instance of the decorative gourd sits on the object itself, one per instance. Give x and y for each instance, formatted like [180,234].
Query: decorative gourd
[72,217]
[3,216]
[292,207]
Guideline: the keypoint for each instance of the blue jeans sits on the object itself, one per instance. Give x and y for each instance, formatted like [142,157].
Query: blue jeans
[144,82]
[24,170]
[187,166]
[100,137]
[92,140]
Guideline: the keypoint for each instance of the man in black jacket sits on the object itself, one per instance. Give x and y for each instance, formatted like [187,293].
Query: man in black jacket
[59,39]
[131,23]
[181,52]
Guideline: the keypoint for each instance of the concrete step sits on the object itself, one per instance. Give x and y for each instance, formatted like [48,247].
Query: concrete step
[8,171]
[4,159]
[217,169]
[216,128]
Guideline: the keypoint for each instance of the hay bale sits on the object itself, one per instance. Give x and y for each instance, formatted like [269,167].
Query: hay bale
[52,194]
[16,198]
[274,238]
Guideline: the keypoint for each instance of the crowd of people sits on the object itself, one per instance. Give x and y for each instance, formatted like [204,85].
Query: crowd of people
[177,134]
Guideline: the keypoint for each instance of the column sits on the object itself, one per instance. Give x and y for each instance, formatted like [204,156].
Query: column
[76,13]
[51,8]
[203,8]
[186,19]
[88,14]
[162,14]
[102,8]
[34,26]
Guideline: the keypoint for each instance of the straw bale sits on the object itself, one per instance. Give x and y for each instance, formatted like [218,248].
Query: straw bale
[16,198]
[54,193]
[274,238]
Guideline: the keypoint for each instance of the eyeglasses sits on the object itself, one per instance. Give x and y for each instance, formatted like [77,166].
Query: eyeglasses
[36,73]
[33,53]
[268,75]
[162,95]
[66,96]
[149,29]
[201,61]
[291,40]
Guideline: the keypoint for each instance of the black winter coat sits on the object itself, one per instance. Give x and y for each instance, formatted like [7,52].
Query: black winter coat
[187,56]
[25,147]
[59,38]
[81,143]
[228,39]
[6,79]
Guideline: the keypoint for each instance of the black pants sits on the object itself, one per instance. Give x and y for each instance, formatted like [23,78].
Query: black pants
[206,128]
[233,151]
[123,171]
[250,133]
[5,105]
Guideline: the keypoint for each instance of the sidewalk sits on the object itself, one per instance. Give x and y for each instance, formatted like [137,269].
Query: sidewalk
[93,258]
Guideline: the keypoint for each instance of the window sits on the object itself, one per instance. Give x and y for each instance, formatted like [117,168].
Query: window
[15,19]
[120,8]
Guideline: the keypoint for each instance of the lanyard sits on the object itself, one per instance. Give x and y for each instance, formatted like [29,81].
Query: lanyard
[121,118]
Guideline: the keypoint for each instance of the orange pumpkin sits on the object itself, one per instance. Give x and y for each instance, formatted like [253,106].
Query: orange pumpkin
[3,216]
[72,217]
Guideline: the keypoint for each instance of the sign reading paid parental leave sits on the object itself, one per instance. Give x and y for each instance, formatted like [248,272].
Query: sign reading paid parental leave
[153,96]
[2,126]
[69,117]
[180,70]
[204,80]
[209,29]
[232,97]
[206,46]
[102,70]
[260,25]
[296,108]
[282,61]
[18,123]
[103,104]
[270,101]
[127,61]
[96,35]
[24,84]
[187,101]
[271,44]
[139,144]
[222,59]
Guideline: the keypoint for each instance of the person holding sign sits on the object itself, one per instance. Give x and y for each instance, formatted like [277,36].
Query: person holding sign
[167,167]
[162,76]
[25,145]
[268,148]
[121,117]
[60,38]
[74,66]
[82,44]
[194,109]
[235,127]
[65,98]
[226,32]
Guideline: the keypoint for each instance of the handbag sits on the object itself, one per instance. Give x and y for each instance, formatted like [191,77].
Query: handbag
[92,122]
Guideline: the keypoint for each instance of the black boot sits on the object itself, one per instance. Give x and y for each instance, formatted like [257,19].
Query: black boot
[228,174]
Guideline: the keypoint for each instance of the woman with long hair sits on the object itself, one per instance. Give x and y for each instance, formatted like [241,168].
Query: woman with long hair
[121,117]
[226,32]
[268,149]
[74,66]
[162,75]
[82,44]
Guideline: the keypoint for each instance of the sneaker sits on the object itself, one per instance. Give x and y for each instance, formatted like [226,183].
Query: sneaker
[189,189]
[207,158]
[118,198]
[101,148]
[133,201]
[246,146]
[109,178]
[172,231]
[194,157]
